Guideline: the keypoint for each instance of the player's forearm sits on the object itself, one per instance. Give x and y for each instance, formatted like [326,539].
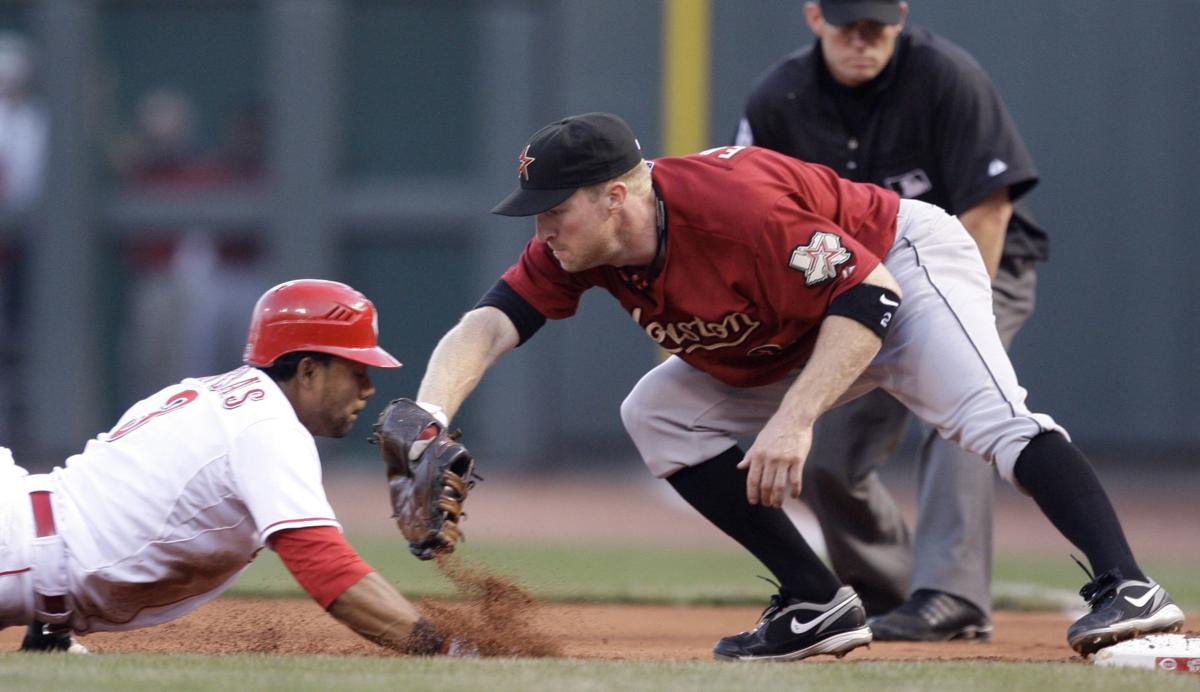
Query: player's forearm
[463,355]
[987,222]
[377,612]
[844,348]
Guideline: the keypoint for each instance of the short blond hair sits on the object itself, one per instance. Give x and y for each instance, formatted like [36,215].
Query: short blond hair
[637,179]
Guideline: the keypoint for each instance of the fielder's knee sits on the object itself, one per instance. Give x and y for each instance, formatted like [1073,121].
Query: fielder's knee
[638,412]
[1049,449]
[1003,444]
[633,414]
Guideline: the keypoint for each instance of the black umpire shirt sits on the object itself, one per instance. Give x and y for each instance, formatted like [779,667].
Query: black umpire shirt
[930,127]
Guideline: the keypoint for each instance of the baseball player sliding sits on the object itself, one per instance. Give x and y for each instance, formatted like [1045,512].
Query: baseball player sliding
[161,514]
[781,290]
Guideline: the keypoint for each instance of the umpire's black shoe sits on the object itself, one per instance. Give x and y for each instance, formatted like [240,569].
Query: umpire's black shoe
[40,637]
[1122,609]
[791,629]
[932,616]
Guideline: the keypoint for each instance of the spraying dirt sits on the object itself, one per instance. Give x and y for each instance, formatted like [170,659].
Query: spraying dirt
[495,614]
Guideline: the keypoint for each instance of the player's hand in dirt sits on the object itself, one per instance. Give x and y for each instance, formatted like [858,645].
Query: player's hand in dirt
[460,648]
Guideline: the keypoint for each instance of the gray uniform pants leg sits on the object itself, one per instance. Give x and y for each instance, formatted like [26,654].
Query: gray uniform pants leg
[869,544]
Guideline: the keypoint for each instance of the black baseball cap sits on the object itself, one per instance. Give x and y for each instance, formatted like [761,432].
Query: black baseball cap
[566,155]
[843,12]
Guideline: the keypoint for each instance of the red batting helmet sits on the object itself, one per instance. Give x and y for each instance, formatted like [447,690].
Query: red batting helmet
[315,315]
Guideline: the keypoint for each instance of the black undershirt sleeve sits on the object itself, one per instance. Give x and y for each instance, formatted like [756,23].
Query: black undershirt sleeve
[524,316]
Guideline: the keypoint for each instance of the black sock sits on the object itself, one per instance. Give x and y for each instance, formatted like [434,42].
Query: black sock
[1064,485]
[717,489]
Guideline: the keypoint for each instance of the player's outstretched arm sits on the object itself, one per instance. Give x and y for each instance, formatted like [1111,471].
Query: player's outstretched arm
[377,612]
[844,348]
[330,571]
[463,355]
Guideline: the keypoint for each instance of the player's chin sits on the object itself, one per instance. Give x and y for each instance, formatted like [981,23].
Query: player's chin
[863,72]
[342,428]
[572,265]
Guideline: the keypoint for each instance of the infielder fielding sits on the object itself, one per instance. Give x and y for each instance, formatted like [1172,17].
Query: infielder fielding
[883,102]
[778,288]
[161,514]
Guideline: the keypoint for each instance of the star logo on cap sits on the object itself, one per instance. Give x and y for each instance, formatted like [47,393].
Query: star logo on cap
[523,161]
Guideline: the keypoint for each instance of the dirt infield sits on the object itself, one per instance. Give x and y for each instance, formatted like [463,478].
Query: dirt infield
[613,632]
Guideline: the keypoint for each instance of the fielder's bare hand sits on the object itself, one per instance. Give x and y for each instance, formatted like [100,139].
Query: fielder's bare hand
[775,462]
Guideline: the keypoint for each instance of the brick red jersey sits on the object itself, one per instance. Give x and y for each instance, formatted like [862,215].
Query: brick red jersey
[758,245]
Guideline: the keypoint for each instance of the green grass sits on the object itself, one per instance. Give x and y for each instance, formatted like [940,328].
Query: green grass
[601,574]
[559,573]
[293,674]
[643,575]
[1063,575]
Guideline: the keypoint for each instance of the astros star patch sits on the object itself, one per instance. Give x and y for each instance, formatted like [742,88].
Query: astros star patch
[820,259]
[523,161]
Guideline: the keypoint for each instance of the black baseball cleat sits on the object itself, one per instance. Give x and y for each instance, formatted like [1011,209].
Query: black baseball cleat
[1122,609]
[791,629]
[42,638]
[932,616]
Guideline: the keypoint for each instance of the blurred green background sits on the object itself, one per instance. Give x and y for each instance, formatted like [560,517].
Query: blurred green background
[199,151]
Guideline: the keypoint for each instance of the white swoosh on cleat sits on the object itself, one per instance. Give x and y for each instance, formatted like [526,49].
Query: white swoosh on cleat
[798,628]
[1145,598]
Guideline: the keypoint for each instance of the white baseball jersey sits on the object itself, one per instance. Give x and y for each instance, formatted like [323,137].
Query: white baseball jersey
[162,513]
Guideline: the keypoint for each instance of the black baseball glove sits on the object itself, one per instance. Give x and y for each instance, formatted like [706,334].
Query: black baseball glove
[429,475]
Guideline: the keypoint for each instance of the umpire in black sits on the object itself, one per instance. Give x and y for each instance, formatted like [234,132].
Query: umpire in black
[906,109]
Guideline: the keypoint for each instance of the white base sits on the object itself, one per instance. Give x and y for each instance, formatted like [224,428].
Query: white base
[1176,652]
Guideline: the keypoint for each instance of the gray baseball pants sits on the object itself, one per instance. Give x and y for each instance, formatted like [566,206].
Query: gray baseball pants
[869,542]
[943,360]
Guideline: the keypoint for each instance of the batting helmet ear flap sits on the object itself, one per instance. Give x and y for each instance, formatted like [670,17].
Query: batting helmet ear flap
[315,315]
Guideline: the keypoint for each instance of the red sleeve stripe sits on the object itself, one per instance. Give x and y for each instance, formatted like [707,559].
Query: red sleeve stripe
[321,560]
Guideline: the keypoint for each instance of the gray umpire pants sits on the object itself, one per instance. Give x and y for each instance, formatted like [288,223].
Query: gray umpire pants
[869,543]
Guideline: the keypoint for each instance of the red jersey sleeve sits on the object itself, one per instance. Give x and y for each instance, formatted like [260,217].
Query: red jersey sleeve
[807,261]
[541,281]
[321,560]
